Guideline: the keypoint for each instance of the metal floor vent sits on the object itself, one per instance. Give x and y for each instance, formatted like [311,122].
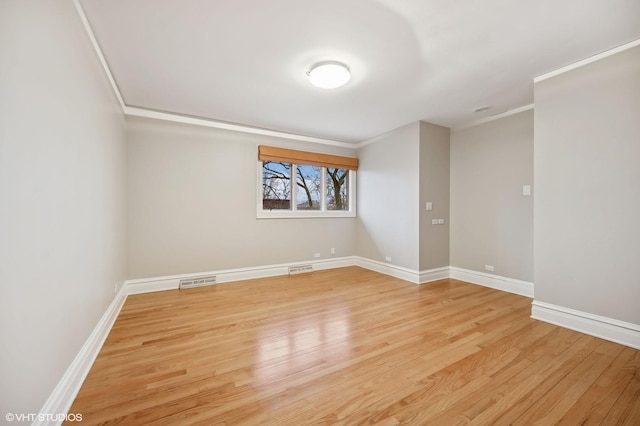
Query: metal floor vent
[300,269]
[197,281]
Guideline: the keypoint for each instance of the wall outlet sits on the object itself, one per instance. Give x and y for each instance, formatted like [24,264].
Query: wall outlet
[489,267]
[316,255]
[333,250]
[388,259]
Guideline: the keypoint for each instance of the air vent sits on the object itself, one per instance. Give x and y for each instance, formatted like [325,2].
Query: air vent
[300,269]
[197,282]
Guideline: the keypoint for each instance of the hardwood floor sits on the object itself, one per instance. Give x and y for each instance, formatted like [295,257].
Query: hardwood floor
[351,346]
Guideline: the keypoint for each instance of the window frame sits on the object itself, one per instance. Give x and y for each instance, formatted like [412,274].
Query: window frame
[293,213]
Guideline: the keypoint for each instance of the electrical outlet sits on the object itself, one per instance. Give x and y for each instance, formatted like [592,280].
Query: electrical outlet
[388,259]
[316,255]
[489,267]
[333,250]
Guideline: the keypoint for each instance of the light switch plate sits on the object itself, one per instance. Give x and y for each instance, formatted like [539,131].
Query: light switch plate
[526,189]
[429,206]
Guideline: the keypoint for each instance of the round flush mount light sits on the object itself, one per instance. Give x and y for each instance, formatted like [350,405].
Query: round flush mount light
[329,75]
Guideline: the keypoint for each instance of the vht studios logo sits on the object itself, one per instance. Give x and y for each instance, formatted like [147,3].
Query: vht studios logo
[42,417]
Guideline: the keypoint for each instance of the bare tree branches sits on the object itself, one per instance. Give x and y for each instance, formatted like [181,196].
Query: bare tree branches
[309,181]
[276,180]
[277,190]
[337,189]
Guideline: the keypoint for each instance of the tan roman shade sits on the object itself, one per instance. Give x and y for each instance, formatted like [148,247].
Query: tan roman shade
[271,153]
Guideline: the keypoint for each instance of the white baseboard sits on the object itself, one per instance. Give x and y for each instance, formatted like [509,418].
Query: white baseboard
[606,328]
[67,388]
[416,277]
[510,285]
[388,269]
[436,274]
[171,282]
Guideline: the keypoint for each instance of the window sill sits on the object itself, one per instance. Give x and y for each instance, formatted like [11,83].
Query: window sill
[303,214]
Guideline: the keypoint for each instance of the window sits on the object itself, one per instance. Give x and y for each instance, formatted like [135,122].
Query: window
[337,188]
[304,184]
[276,185]
[309,181]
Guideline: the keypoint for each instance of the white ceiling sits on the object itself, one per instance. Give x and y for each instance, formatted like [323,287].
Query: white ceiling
[244,61]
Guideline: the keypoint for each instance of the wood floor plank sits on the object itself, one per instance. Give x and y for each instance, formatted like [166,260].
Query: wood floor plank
[626,409]
[348,347]
[595,403]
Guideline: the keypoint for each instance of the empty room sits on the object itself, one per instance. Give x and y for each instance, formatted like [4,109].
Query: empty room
[341,212]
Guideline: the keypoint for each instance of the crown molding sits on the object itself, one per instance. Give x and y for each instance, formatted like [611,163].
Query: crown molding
[98,50]
[177,118]
[196,121]
[587,61]
[493,117]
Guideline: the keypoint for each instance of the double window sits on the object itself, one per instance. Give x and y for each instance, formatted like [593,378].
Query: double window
[305,184]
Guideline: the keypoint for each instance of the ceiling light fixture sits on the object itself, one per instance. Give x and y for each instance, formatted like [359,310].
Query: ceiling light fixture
[329,75]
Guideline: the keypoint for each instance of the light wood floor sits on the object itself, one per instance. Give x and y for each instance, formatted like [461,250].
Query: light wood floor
[350,346]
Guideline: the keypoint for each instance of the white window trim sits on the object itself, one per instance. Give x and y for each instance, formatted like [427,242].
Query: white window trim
[298,214]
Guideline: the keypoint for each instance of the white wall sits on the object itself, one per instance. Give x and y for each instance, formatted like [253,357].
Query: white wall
[587,179]
[388,195]
[192,204]
[62,197]
[491,221]
[434,187]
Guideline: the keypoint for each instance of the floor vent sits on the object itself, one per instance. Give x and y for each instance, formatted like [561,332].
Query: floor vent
[197,282]
[300,269]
